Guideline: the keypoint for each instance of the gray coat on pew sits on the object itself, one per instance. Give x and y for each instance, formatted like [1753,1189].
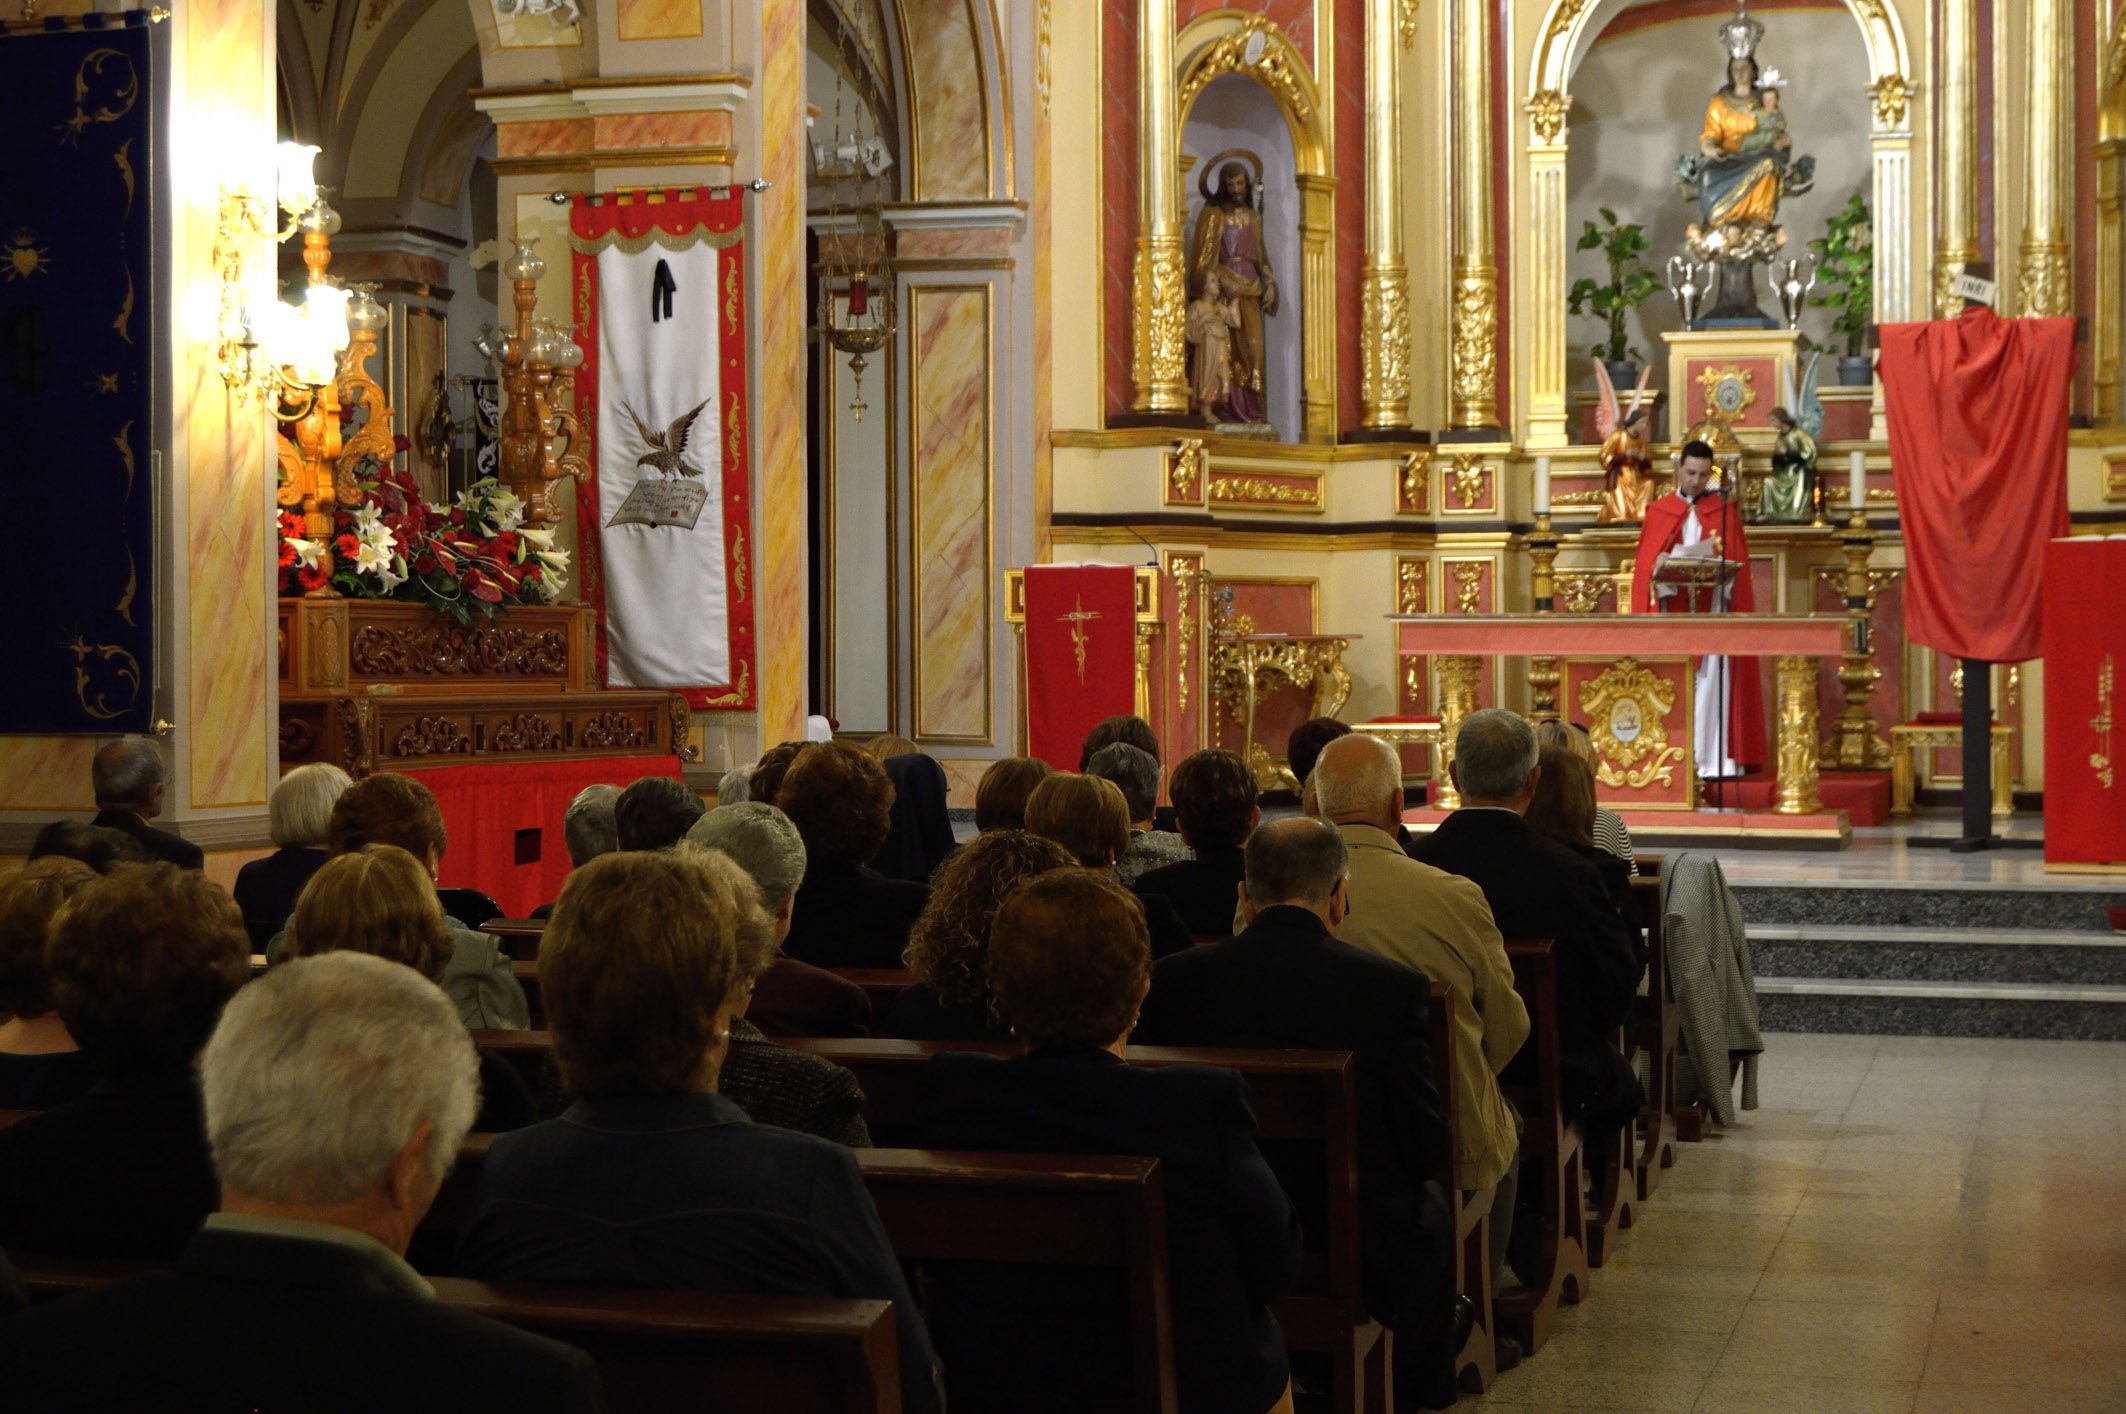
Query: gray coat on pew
[1714,985]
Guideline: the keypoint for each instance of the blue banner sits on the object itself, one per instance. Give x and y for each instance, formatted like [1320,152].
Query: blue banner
[77,347]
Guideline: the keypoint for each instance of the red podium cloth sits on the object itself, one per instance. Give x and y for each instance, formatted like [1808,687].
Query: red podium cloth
[505,821]
[1081,654]
[1659,535]
[2085,732]
[1977,409]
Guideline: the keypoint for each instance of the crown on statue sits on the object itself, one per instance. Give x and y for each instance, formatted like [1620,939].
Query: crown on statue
[1739,35]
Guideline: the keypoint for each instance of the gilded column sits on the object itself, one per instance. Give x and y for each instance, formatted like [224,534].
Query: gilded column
[1549,243]
[1956,148]
[2108,332]
[2044,267]
[1474,336]
[1384,297]
[1160,276]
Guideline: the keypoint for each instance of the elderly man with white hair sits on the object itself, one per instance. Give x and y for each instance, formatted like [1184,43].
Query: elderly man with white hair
[1439,924]
[127,776]
[338,1089]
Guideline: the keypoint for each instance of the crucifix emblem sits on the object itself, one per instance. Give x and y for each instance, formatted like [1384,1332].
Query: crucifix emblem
[1078,618]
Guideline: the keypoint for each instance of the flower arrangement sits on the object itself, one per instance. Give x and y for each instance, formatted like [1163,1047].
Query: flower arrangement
[476,558]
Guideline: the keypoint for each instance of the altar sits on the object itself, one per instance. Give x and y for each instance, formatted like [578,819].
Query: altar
[1632,673]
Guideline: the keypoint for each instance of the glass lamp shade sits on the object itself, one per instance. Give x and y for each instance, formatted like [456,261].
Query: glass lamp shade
[364,314]
[525,264]
[306,340]
[295,183]
[567,352]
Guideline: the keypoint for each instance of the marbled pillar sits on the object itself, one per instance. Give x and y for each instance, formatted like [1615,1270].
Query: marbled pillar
[952,147]
[952,437]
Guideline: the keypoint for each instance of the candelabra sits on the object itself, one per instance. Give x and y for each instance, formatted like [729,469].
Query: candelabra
[1855,743]
[1543,676]
[536,363]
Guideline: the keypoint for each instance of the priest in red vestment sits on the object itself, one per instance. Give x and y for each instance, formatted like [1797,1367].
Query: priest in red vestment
[1693,513]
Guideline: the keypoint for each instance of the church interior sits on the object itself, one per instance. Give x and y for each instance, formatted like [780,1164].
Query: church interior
[525,397]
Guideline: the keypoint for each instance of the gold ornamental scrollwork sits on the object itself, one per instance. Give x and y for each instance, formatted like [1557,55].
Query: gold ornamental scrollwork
[2101,760]
[1255,490]
[1546,113]
[1257,47]
[1384,346]
[1892,95]
[1186,462]
[1581,590]
[1730,392]
[1409,586]
[1625,706]
[1473,347]
[1413,489]
[1467,479]
[1406,21]
[1468,584]
[2043,280]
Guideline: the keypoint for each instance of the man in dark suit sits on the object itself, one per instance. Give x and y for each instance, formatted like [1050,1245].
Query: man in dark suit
[127,775]
[1287,982]
[1538,888]
[337,1091]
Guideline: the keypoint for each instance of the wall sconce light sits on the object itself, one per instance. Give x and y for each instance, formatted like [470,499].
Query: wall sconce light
[238,327]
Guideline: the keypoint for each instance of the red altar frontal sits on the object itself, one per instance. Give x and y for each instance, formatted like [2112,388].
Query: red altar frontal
[2085,642]
[1629,678]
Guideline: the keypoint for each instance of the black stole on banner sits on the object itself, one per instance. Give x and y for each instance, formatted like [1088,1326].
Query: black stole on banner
[77,349]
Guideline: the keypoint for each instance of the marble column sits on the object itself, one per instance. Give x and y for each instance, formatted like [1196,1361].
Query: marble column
[1956,148]
[1384,295]
[2044,262]
[1472,392]
[1160,277]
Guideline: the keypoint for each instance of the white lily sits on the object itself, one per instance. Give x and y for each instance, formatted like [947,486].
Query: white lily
[310,554]
[370,559]
[368,516]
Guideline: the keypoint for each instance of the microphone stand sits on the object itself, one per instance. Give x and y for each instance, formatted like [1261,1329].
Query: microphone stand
[1723,603]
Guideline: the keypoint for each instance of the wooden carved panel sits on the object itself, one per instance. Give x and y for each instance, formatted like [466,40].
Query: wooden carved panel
[447,650]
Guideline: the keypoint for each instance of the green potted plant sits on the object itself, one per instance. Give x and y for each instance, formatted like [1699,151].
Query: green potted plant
[1628,286]
[1845,256]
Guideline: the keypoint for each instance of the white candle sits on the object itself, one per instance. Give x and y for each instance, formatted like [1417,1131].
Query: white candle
[1857,481]
[1542,486]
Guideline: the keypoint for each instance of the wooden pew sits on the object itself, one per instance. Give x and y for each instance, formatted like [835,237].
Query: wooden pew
[1300,1097]
[1550,1160]
[1654,1030]
[881,984]
[1614,1171]
[655,1350]
[527,975]
[519,937]
[1476,1363]
[1032,1209]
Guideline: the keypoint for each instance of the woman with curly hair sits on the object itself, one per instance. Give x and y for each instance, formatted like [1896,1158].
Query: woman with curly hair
[949,950]
[846,914]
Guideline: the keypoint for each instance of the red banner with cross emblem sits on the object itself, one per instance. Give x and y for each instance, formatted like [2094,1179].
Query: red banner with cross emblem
[1081,661]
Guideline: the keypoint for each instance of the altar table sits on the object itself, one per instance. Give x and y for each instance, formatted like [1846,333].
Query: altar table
[1795,642]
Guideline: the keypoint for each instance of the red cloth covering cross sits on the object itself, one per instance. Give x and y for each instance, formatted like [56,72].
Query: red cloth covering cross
[1977,408]
[1081,655]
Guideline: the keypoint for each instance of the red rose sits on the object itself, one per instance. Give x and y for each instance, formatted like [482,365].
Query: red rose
[424,563]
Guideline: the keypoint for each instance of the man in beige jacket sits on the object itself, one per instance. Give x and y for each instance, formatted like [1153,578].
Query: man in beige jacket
[1439,924]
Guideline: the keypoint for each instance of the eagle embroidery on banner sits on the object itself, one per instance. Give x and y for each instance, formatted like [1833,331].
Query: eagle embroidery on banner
[677,497]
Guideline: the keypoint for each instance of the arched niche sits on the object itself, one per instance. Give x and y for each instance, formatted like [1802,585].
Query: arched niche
[1568,29]
[1253,49]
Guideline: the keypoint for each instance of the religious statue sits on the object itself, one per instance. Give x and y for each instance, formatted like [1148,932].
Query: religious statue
[1229,246]
[1790,494]
[1743,166]
[1627,480]
[1212,317]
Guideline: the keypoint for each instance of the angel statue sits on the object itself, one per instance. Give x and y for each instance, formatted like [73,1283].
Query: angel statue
[1627,473]
[1788,496]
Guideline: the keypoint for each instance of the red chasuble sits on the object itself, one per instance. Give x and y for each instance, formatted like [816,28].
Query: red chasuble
[1662,533]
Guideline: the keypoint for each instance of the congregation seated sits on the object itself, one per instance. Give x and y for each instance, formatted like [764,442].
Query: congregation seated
[790,998]
[765,777]
[847,914]
[654,813]
[127,776]
[141,962]
[1088,817]
[1288,983]
[399,810]
[948,953]
[298,813]
[1609,831]
[1216,808]
[588,830]
[40,1065]
[337,1092]
[1130,731]
[378,900]
[1538,888]
[919,829]
[1563,810]
[1000,796]
[1070,963]
[652,1178]
[1441,925]
[1135,772]
[1304,746]
[100,848]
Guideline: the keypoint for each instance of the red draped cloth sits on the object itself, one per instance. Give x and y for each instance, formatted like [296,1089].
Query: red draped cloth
[504,820]
[2085,730]
[1661,534]
[1081,655]
[1978,445]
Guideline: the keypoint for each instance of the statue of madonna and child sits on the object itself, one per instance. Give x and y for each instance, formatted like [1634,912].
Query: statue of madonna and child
[1743,166]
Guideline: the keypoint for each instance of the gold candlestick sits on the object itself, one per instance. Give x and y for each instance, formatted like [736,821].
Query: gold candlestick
[1855,742]
[1542,543]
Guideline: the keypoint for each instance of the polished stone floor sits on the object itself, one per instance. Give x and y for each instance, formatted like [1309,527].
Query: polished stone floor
[1909,1223]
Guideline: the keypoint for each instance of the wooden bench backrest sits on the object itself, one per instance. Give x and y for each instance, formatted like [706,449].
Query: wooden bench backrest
[655,1350]
[1540,1101]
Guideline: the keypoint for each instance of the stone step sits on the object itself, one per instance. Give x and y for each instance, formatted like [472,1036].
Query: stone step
[1905,1007]
[1995,907]
[1934,954]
